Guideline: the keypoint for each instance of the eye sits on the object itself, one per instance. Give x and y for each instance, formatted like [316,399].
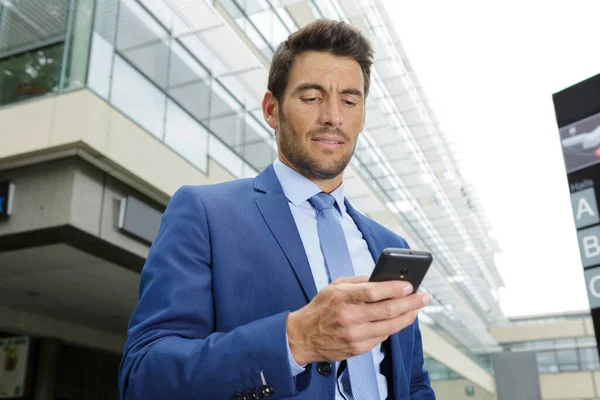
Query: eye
[349,103]
[311,100]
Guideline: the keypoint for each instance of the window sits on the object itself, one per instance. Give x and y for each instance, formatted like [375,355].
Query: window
[143,42]
[588,359]
[137,97]
[31,74]
[28,24]
[567,360]
[186,136]
[546,361]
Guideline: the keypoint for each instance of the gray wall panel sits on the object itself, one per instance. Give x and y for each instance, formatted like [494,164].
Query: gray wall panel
[86,205]
[517,376]
[42,197]
[114,191]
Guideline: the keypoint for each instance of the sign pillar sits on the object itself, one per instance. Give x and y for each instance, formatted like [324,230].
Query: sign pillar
[577,111]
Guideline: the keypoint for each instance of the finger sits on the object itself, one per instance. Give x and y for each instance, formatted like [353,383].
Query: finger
[389,327]
[351,279]
[392,308]
[365,346]
[370,292]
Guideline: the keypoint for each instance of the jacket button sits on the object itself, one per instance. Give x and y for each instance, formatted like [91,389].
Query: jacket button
[324,368]
[237,396]
[257,393]
[267,390]
[247,396]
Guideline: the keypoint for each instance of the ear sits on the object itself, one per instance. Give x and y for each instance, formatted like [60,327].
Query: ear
[364,118]
[270,106]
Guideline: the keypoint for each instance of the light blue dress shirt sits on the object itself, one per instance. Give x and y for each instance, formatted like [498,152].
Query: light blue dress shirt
[298,191]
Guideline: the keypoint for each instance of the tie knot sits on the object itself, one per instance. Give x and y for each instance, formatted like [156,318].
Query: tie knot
[322,201]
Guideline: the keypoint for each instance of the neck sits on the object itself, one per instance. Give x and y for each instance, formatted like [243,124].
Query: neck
[326,185]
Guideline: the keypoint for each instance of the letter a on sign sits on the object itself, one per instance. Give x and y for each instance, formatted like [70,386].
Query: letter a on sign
[584,208]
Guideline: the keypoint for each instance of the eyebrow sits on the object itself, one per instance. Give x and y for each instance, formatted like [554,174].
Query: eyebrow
[316,86]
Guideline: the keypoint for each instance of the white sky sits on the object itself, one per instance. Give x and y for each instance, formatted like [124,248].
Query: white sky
[490,69]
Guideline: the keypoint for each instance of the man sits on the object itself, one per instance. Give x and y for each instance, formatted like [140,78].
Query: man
[235,297]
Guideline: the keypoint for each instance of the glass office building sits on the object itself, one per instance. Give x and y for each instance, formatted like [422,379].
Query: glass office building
[130,99]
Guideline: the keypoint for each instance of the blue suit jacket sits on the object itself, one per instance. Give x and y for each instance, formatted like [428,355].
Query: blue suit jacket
[224,271]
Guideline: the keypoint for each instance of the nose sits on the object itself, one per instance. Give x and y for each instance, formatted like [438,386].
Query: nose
[331,114]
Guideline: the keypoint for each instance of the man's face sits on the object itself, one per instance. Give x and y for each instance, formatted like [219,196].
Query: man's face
[321,114]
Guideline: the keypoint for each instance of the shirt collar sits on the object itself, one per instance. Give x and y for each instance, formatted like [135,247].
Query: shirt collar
[298,189]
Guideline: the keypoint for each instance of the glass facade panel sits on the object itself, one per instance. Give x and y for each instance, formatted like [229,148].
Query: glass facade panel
[230,129]
[588,359]
[225,156]
[546,361]
[222,103]
[148,107]
[79,45]
[186,136]
[567,360]
[100,68]
[143,42]
[27,24]
[258,149]
[31,74]
[183,67]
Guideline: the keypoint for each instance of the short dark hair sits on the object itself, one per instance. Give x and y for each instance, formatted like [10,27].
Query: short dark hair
[336,37]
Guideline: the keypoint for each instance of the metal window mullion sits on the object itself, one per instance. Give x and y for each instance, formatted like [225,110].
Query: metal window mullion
[166,93]
[114,54]
[67,47]
[92,30]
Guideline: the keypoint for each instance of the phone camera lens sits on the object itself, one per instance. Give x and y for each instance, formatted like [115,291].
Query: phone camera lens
[404,271]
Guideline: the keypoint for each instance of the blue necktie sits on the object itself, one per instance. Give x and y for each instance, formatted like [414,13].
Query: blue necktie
[363,378]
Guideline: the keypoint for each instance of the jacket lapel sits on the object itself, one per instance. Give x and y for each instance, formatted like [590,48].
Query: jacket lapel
[273,206]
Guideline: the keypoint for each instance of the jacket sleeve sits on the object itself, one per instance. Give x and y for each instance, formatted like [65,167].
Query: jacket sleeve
[172,350]
[420,385]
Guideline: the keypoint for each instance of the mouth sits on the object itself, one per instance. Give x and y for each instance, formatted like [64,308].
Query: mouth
[332,143]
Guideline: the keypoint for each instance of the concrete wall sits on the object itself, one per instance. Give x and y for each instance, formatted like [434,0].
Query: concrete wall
[456,389]
[570,385]
[81,120]
[71,192]
[437,347]
[541,331]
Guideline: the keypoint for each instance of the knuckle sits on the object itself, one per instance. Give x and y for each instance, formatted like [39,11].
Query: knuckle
[336,297]
[342,320]
[389,310]
[347,337]
[370,294]
[409,318]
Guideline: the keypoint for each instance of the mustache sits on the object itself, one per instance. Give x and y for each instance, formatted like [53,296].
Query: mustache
[330,131]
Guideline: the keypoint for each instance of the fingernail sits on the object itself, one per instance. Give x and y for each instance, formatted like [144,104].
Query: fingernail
[426,299]
[407,290]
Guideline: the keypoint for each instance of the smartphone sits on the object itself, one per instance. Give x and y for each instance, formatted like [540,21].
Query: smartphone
[402,264]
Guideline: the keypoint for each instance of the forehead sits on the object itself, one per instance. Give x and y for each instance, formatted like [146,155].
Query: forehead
[326,69]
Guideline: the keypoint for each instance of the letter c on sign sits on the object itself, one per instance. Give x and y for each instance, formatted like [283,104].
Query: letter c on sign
[593,290]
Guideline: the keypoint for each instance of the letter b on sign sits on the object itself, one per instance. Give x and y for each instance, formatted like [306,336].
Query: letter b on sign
[589,246]
[585,208]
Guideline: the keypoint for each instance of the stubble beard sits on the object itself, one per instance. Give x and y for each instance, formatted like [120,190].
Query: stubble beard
[307,164]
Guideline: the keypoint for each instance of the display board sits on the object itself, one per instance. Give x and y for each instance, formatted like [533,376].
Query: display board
[577,111]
